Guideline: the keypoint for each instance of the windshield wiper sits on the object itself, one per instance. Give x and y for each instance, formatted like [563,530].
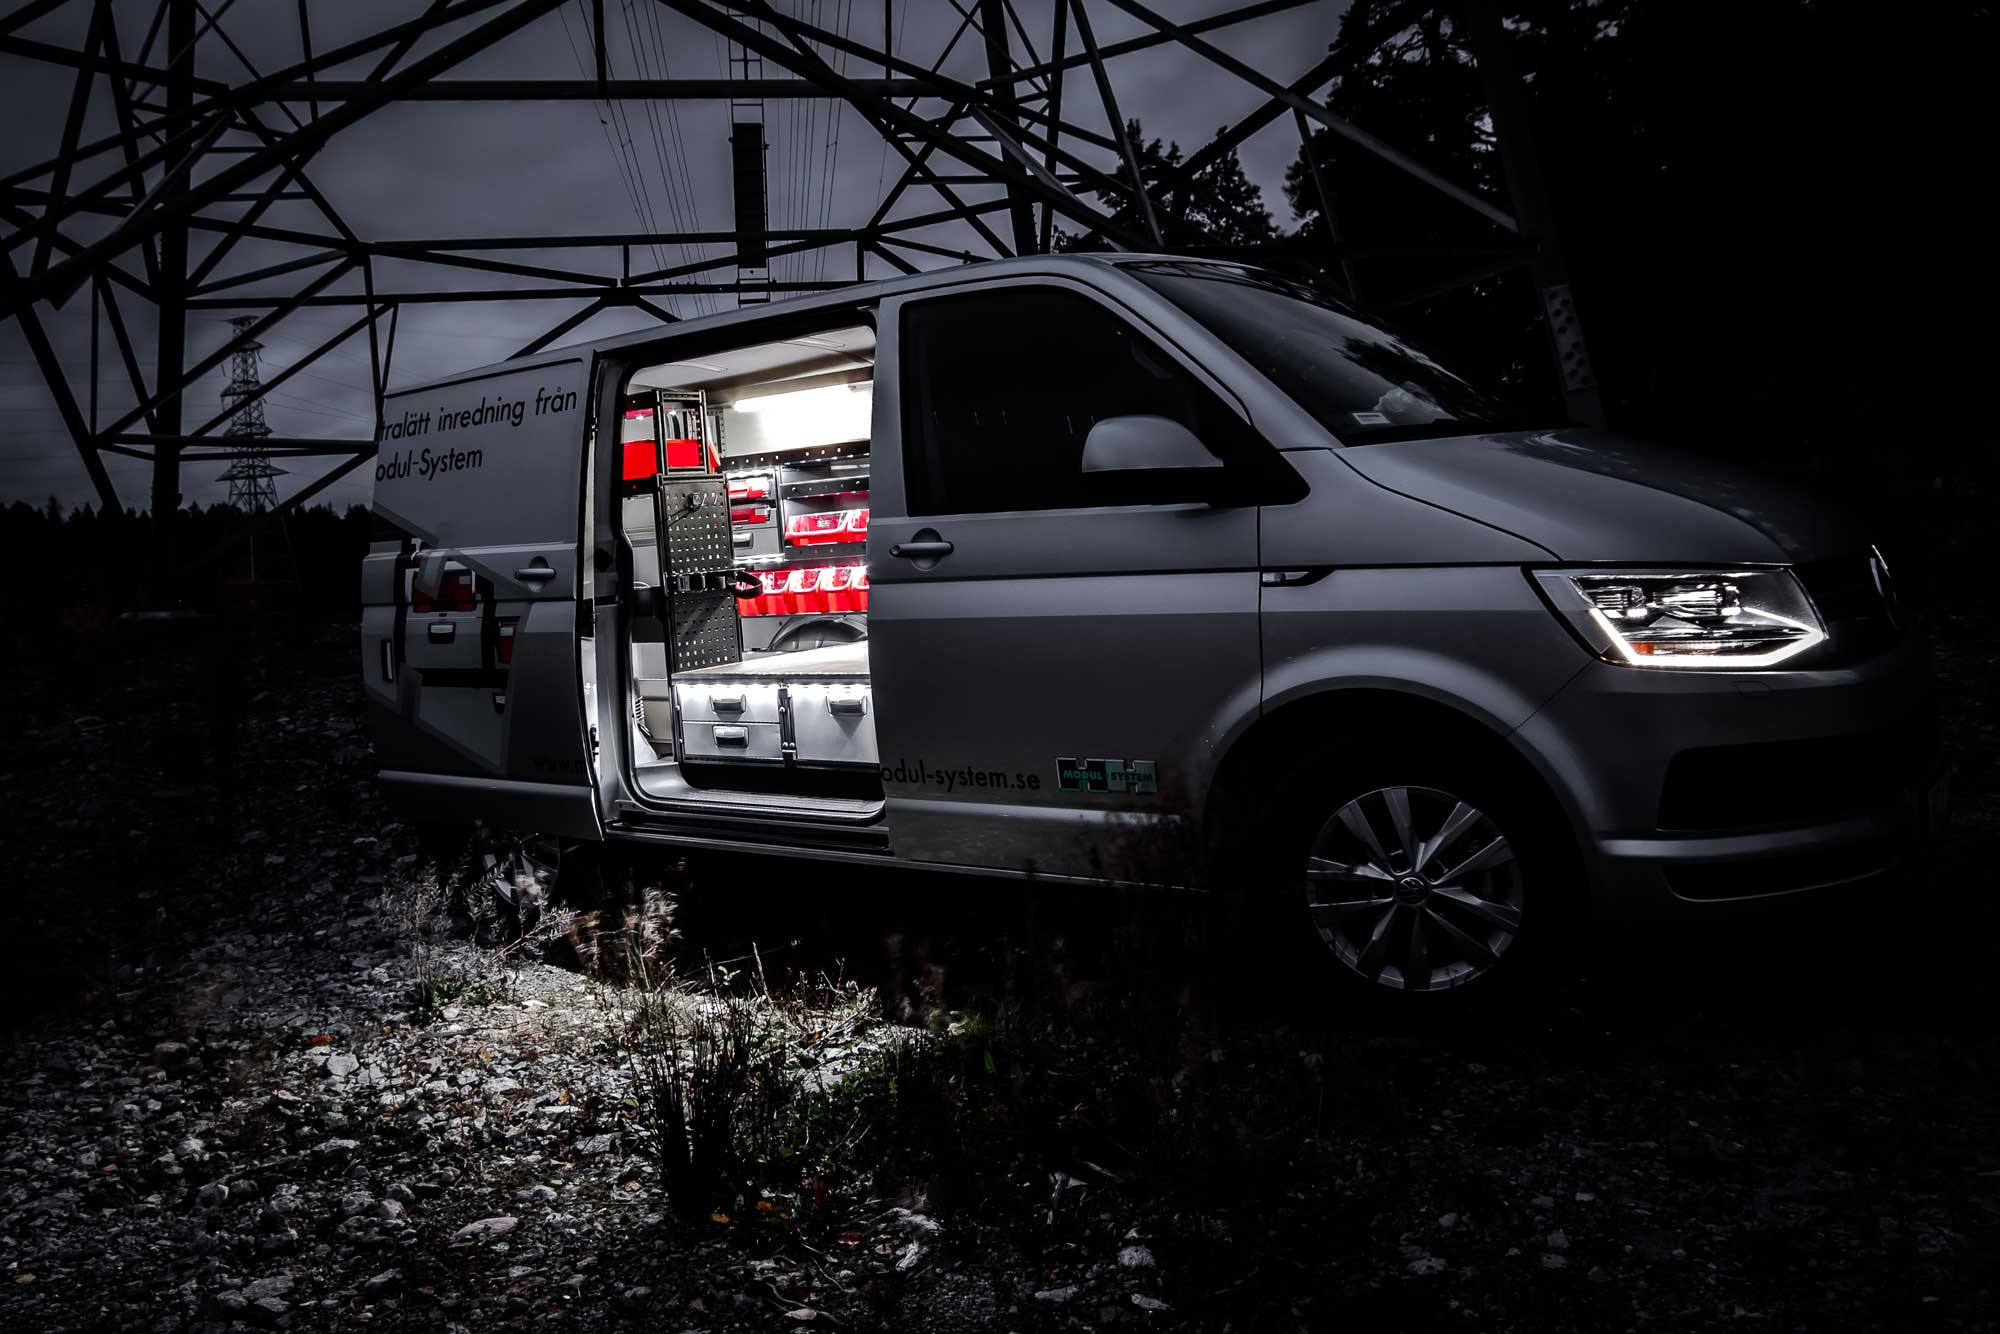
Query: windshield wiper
[1443,428]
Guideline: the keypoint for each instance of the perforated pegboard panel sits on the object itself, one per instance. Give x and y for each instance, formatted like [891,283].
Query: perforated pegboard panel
[694,517]
[705,630]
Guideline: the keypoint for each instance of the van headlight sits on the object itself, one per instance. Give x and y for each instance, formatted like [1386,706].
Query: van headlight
[1726,619]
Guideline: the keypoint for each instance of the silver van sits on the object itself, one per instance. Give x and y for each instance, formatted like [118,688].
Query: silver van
[1132,569]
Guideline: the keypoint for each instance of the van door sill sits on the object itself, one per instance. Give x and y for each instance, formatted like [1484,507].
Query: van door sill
[761,805]
[749,831]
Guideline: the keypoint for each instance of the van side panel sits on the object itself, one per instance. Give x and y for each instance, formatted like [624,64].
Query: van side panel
[1052,694]
[478,484]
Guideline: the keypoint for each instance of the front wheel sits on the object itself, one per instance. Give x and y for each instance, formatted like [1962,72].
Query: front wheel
[1415,888]
[1400,876]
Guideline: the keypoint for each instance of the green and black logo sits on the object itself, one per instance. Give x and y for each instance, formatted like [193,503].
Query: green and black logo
[1137,777]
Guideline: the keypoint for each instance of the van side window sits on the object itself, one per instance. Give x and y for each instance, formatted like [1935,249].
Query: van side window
[1001,387]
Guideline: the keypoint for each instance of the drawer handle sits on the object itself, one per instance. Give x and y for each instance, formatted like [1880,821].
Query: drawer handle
[443,632]
[732,736]
[727,703]
[741,539]
[849,704]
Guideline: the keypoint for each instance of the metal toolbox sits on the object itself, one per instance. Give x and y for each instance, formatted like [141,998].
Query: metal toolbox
[755,743]
[832,723]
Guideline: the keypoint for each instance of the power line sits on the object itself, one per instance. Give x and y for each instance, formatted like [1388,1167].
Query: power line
[606,118]
[682,157]
[675,180]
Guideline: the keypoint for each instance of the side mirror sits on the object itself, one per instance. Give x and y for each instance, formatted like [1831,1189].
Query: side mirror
[1145,460]
[1144,445]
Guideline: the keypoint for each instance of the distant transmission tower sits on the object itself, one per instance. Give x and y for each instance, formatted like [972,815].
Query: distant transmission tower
[251,475]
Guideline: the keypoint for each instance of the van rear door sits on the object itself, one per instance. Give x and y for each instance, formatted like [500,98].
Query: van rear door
[470,643]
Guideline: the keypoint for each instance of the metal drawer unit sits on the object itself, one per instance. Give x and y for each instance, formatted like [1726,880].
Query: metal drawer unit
[812,722]
[833,723]
[741,743]
[729,701]
[726,720]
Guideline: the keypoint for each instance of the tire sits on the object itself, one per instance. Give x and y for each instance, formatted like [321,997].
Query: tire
[1408,876]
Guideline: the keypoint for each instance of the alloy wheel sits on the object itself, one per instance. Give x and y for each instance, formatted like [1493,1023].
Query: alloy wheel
[1414,888]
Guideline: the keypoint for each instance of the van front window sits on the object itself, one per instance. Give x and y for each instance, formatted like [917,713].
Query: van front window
[1364,383]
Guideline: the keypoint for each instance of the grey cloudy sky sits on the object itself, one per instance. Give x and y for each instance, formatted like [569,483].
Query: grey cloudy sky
[417,170]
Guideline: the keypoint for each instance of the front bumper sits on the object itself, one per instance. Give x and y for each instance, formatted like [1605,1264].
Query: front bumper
[1695,792]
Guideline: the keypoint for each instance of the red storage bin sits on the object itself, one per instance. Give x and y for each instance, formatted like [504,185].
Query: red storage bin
[827,526]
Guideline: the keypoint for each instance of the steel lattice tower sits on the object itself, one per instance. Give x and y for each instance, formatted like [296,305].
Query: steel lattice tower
[251,474]
[154,210]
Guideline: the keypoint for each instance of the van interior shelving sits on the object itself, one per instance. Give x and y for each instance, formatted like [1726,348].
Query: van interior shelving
[744,498]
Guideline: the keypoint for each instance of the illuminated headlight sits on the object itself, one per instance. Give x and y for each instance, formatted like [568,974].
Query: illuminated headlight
[1731,620]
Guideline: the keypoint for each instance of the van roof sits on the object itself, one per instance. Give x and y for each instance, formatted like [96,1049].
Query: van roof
[838,297]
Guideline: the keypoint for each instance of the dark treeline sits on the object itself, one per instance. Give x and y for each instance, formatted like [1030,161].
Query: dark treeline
[1766,209]
[91,565]
[1768,213]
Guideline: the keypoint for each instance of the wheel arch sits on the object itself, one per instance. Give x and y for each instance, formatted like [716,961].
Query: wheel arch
[1374,713]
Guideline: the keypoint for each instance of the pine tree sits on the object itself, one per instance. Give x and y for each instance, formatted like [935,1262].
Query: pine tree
[1219,206]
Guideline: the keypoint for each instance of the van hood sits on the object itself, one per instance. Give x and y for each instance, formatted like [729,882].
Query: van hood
[1588,495]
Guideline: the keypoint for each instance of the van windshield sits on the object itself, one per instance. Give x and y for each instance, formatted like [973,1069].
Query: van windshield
[1364,383]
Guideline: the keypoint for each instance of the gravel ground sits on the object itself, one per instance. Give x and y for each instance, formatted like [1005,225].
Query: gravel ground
[220,1112]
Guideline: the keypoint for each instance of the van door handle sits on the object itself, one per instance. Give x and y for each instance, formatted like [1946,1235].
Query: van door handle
[921,550]
[534,574]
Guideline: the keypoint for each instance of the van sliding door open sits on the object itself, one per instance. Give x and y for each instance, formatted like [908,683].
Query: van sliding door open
[742,501]
[469,598]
